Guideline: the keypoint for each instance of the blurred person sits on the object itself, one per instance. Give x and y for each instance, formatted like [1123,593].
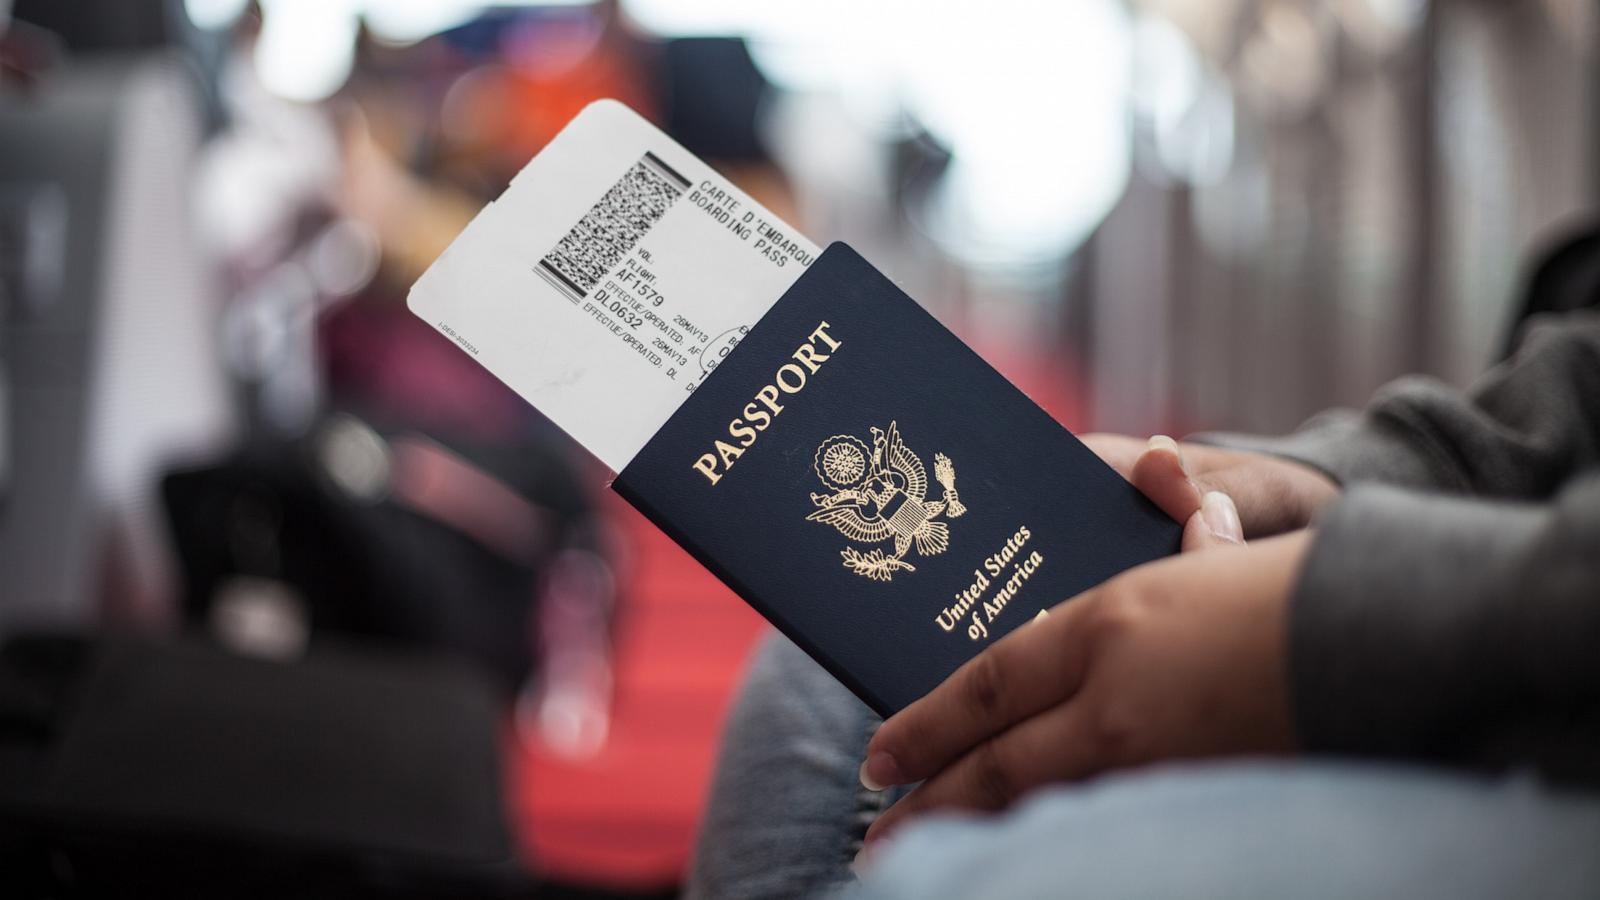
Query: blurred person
[1392,690]
[430,134]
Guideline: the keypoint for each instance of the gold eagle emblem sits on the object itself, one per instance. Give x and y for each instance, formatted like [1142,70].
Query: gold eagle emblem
[881,494]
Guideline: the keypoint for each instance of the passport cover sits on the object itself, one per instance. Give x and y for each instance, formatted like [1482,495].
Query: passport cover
[881,494]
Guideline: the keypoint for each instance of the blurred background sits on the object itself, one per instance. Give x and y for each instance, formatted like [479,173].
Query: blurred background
[296,601]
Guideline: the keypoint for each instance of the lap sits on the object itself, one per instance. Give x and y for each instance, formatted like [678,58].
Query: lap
[787,814]
[1245,830]
[787,811]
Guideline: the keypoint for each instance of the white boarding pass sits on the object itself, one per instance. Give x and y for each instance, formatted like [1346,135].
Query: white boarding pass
[610,278]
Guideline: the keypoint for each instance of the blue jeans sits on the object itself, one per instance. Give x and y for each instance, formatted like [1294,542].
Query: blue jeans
[787,816]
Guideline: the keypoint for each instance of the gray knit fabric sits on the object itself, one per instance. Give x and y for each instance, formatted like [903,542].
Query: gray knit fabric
[1450,607]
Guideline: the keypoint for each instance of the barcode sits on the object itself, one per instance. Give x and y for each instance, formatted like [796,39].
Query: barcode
[610,229]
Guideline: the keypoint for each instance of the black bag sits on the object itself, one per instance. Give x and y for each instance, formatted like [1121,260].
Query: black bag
[398,538]
[179,770]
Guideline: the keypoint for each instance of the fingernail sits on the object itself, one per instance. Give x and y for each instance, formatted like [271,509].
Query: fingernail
[859,865]
[1221,516]
[867,855]
[1162,442]
[879,771]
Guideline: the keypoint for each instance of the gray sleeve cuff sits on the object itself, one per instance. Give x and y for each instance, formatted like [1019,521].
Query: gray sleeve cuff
[1350,446]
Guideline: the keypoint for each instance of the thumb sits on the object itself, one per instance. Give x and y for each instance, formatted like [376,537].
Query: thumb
[1214,524]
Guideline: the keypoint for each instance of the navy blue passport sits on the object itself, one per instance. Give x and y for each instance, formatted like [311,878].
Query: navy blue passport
[881,494]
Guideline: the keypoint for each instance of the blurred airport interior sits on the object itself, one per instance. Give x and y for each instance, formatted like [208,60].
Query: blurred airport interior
[295,600]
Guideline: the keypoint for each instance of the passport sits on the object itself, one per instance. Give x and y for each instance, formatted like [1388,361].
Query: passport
[792,419]
[881,494]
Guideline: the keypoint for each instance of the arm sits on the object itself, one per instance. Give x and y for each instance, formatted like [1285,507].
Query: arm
[1412,625]
[1524,428]
[1407,626]
[1431,627]
[1454,630]
[1519,432]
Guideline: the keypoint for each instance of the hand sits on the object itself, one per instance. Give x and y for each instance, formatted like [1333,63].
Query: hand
[1273,495]
[1182,657]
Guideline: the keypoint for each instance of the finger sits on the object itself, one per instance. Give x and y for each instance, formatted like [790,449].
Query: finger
[997,771]
[1159,475]
[1118,451]
[1264,505]
[1032,669]
[1214,524]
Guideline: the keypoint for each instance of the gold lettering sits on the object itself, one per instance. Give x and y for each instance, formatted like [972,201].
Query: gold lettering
[810,358]
[728,452]
[738,429]
[789,379]
[757,416]
[769,396]
[1006,591]
[822,334]
[707,465]
[798,373]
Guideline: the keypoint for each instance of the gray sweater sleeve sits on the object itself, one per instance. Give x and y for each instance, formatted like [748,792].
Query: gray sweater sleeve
[1453,629]
[1521,432]
[1449,608]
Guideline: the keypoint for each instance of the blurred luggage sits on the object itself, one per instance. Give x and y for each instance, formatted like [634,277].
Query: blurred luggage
[176,770]
[347,532]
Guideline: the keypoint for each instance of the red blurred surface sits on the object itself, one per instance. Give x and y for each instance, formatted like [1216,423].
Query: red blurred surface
[627,816]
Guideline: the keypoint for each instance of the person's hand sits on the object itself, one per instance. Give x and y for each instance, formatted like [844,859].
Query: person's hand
[1272,495]
[1182,657]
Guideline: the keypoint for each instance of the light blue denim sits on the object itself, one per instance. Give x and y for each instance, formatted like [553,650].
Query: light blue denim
[787,814]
